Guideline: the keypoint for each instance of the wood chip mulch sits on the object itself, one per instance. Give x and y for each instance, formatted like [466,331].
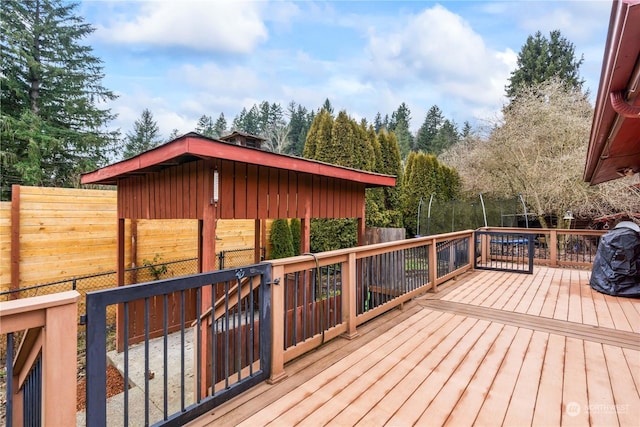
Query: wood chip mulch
[115,385]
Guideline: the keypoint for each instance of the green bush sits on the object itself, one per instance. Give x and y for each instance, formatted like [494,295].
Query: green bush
[332,234]
[294,225]
[281,239]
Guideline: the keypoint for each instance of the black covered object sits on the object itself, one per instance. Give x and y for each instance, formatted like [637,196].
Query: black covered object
[616,266]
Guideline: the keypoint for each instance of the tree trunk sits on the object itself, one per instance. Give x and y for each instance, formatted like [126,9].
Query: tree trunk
[34,70]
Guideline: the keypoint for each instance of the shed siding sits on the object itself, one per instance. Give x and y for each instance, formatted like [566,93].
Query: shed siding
[246,192]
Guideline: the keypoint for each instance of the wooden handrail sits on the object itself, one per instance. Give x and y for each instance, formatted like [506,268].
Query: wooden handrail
[51,326]
[347,258]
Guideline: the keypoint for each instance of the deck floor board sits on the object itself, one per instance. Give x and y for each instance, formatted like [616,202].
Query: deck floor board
[490,348]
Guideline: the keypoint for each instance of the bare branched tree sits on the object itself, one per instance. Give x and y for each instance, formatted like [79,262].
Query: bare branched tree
[277,139]
[538,150]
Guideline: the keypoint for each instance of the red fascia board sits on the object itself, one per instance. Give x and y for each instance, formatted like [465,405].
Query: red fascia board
[620,56]
[207,148]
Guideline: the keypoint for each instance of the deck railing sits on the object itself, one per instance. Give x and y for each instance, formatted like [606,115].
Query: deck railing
[326,295]
[314,298]
[41,378]
[560,247]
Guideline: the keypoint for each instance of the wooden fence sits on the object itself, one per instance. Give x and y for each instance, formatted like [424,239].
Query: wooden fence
[53,234]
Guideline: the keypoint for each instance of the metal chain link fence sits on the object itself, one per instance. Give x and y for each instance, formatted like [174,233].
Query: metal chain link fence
[106,280]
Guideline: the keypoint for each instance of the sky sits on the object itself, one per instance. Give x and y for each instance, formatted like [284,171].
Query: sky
[184,59]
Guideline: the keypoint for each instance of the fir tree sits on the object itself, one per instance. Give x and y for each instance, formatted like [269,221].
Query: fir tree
[327,107]
[144,137]
[399,124]
[541,59]
[205,126]
[220,127]
[299,122]
[425,141]
[52,122]
[466,129]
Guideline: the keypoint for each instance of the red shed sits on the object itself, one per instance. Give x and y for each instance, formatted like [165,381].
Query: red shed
[195,177]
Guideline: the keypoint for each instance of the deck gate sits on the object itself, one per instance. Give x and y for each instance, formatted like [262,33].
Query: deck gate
[234,341]
[504,251]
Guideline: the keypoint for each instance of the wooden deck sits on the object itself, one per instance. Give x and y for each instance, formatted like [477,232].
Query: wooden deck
[488,349]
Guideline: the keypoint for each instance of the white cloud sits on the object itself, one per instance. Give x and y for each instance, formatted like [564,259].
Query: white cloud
[213,77]
[226,26]
[439,50]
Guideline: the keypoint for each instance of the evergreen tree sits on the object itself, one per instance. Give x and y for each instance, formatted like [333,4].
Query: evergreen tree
[174,134]
[248,121]
[446,137]
[424,176]
[541,59]
[319,134]
[144,137]
[342,144]
[404,138]
[425,141]
[399,124]
[299,122]
[51,91]
[238,121]
[327,107]
[377,122]
[391,165]
[466,129]
[220,127]
[205,126]
[401,115]
[281,239]
[295,227]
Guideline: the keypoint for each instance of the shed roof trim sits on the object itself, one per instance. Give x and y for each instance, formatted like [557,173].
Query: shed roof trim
[193,145]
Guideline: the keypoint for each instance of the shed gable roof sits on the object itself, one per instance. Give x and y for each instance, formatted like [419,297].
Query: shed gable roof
[193,146]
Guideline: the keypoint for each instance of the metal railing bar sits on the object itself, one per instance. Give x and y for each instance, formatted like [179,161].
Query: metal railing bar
[146,361]
[252,322]
[126,363]
[226,333]
[294,317]
[239,332]
[198,339]
[165,330]
[182,369]
[9,380]
[214,340]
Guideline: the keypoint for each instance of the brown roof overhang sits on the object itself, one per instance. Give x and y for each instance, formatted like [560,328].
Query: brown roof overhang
[193,146]
[614,144]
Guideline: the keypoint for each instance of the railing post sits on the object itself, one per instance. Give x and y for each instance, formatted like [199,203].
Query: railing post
[277,324]
[433,265]
[553,247]
[60,365]
[472,250]
[349,297]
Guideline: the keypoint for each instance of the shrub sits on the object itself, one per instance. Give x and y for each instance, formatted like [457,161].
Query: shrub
[281,239]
